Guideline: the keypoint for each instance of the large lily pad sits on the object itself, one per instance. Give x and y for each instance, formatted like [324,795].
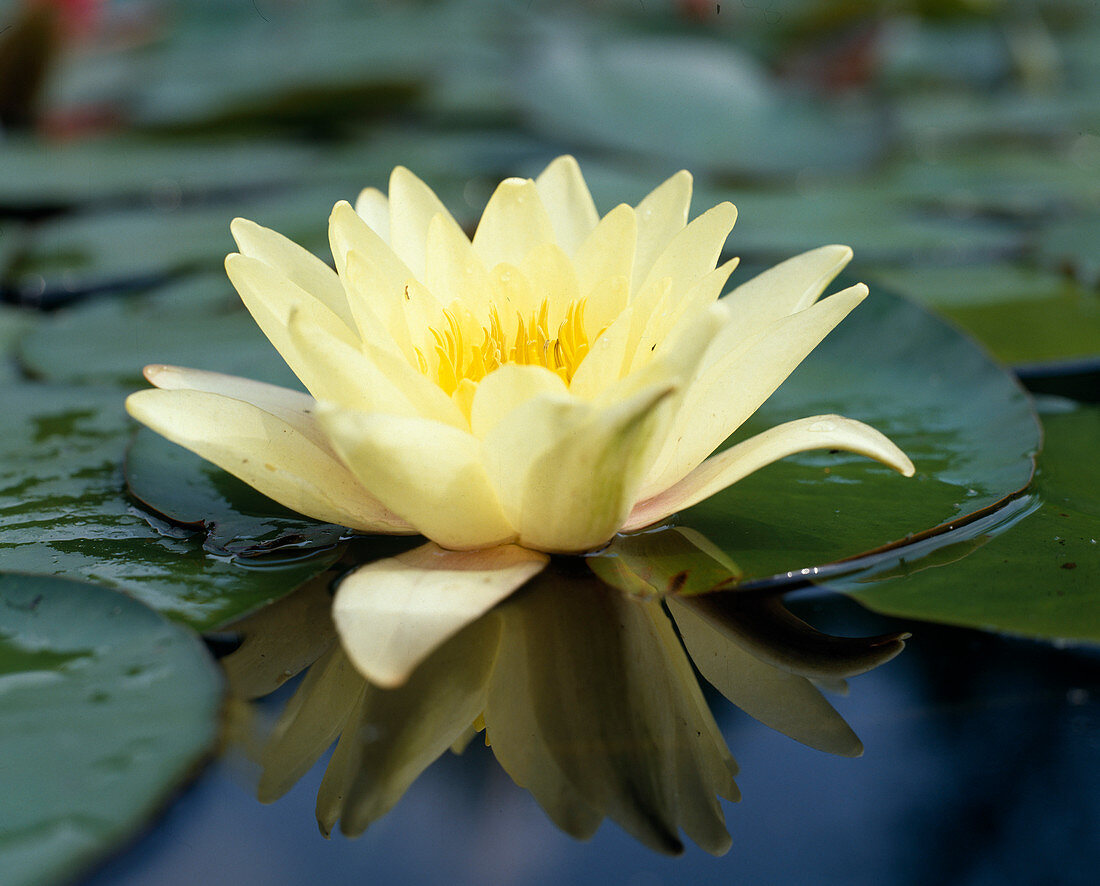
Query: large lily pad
[66,513]
[1039,573]
[107,709]
[966,424]
[1024,316]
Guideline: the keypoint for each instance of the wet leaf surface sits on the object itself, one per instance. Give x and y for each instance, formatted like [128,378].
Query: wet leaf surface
[902,370]
[107,709]
[66,513]
[1040,574]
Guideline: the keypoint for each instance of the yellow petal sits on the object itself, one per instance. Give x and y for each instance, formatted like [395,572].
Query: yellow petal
[661,215]
[391,614]
[312,719]
[270,297]
[693,251]
[275,454]
[514,222]
[737,462]
[777,698]
[552,278]
[568,202]
[349,232]
[413,205]
[428,472]
[377,299]
[507,388]
[567,472]
[603,365]
[733,385]
[374,208]
[606,254]
[453,271]
[298,265]
[369,379]
[786,288]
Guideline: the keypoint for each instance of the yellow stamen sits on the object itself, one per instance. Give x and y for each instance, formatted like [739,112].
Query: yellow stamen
[458,361]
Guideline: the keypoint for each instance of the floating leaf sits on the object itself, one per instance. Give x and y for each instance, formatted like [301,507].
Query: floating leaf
[108,708]
[966,424]
[66,514]
[1037,575]
[236,519]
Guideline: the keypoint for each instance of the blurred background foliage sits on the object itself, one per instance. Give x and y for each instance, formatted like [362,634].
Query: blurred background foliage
[954,145]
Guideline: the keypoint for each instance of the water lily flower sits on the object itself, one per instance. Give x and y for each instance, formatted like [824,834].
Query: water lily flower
[555,380]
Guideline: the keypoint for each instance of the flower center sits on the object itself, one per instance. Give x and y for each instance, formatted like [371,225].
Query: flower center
[465,352]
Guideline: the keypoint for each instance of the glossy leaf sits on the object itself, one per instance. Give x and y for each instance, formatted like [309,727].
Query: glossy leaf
[967,425]
[107,709]
[1039,573]
[66,514]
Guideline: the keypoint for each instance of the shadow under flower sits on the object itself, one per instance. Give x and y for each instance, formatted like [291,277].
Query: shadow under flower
[581,684]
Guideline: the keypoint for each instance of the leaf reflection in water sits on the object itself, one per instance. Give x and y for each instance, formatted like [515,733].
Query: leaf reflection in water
[583,688]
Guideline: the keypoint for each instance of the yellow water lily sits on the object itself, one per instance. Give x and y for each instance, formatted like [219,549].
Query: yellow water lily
[556,379]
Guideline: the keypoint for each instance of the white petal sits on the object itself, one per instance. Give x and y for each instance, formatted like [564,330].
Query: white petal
[298,265]
[391,614]
[428,472]
[514,223]
[275,454]
[568,202]
[731,465]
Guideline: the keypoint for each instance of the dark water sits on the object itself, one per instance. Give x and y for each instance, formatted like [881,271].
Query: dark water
[982,766]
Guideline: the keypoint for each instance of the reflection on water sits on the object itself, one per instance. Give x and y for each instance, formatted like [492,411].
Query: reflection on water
[580,683]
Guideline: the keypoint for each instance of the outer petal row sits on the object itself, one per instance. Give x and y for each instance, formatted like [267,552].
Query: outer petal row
[275,447]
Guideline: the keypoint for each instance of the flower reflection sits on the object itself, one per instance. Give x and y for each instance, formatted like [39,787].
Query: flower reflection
[585,694]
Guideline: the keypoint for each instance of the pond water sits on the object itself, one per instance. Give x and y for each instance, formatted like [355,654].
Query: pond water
[980,767]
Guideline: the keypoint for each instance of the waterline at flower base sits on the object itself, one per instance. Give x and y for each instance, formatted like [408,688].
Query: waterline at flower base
[557,379]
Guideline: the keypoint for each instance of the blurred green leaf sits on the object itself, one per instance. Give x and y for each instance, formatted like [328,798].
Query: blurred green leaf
[108,708]
[1024,316]
[198,321]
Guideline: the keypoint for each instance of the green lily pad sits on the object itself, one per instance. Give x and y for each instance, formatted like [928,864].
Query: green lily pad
[198,321]
[1039,573]
[966,424]
[1024,316]
[66,513]
[108,709]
